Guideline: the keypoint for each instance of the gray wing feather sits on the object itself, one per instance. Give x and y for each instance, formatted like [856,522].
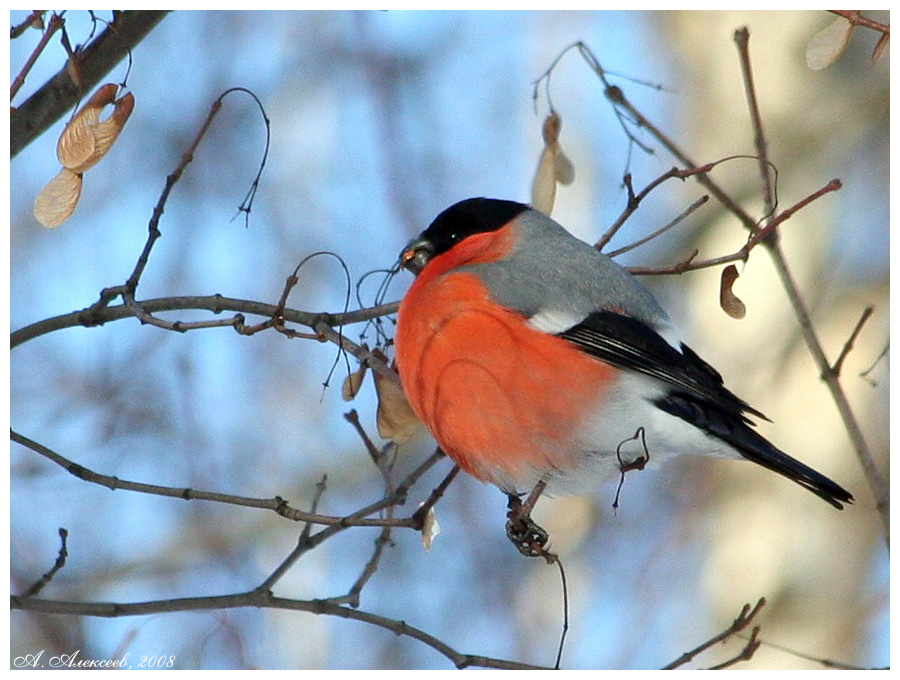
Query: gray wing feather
[560,274]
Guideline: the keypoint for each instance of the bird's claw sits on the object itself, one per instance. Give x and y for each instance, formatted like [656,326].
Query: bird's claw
[529,538]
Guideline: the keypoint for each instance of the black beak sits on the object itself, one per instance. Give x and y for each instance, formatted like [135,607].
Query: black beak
[416,255]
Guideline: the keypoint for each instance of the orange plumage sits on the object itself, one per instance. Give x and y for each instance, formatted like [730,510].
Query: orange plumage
[486,385]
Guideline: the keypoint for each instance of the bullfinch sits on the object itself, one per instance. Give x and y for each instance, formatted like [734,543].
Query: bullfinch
[535,360]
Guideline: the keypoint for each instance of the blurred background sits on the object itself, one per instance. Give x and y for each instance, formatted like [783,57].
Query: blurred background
[379,121]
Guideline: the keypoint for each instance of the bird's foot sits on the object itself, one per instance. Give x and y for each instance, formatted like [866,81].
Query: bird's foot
[529,538]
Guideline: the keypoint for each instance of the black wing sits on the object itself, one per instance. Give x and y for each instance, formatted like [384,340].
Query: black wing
[626,342]
[697,394]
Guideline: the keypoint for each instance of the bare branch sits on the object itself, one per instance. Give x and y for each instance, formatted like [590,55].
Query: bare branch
[848,346]
[262,600]
[634,200]
[277,504]
[33,20]
[615,95]
[56,22]
[756,238]
[855,17]
[323,324]
[745,654]
[59,94]
[742,38]
[663,229]
[740,623]
[877,482]
[826,663]
[38,586]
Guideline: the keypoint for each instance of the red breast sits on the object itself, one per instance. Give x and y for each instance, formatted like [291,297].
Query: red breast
[502,399]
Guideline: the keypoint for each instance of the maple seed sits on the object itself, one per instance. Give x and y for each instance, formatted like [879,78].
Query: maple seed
[554,166]
[56,202]
[730,302]
[86,139]
[828,44]
[543,190]
[396,420]
[352,383]
[83,142]
[430,528]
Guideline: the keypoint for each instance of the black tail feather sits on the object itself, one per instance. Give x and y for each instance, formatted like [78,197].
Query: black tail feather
[753,446]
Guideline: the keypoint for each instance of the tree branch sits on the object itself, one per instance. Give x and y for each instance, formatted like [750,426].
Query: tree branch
[277,504]
[855,17]
[59,94]
[263,600]
[877,483]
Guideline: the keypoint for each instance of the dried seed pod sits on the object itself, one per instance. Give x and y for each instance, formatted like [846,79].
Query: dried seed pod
[553,167]
[543,189]
[83,142]
[86,138]
[56,202]
[396,420]
[828,44]
[352,383]
[731,303]
[430,528]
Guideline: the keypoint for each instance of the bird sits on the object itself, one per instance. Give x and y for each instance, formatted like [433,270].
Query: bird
[536,362]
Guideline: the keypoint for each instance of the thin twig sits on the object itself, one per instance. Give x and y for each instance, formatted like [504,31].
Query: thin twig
[877,483]
[617,97]
[33,20]
[314,505]
[382,462]
[881,355]
[848,346]
[565,624]
[663,229]
[56,22]
[353,594]
[740,623]
[758,237]
[171,180]
[301,547]
[308,543]
[634,200]
[742,39]
[827,663]
[438,492]
[855,17]
[38,586]
[352,417]
[745,654]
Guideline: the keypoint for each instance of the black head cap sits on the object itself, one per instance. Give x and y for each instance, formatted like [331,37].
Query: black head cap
[472,216]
